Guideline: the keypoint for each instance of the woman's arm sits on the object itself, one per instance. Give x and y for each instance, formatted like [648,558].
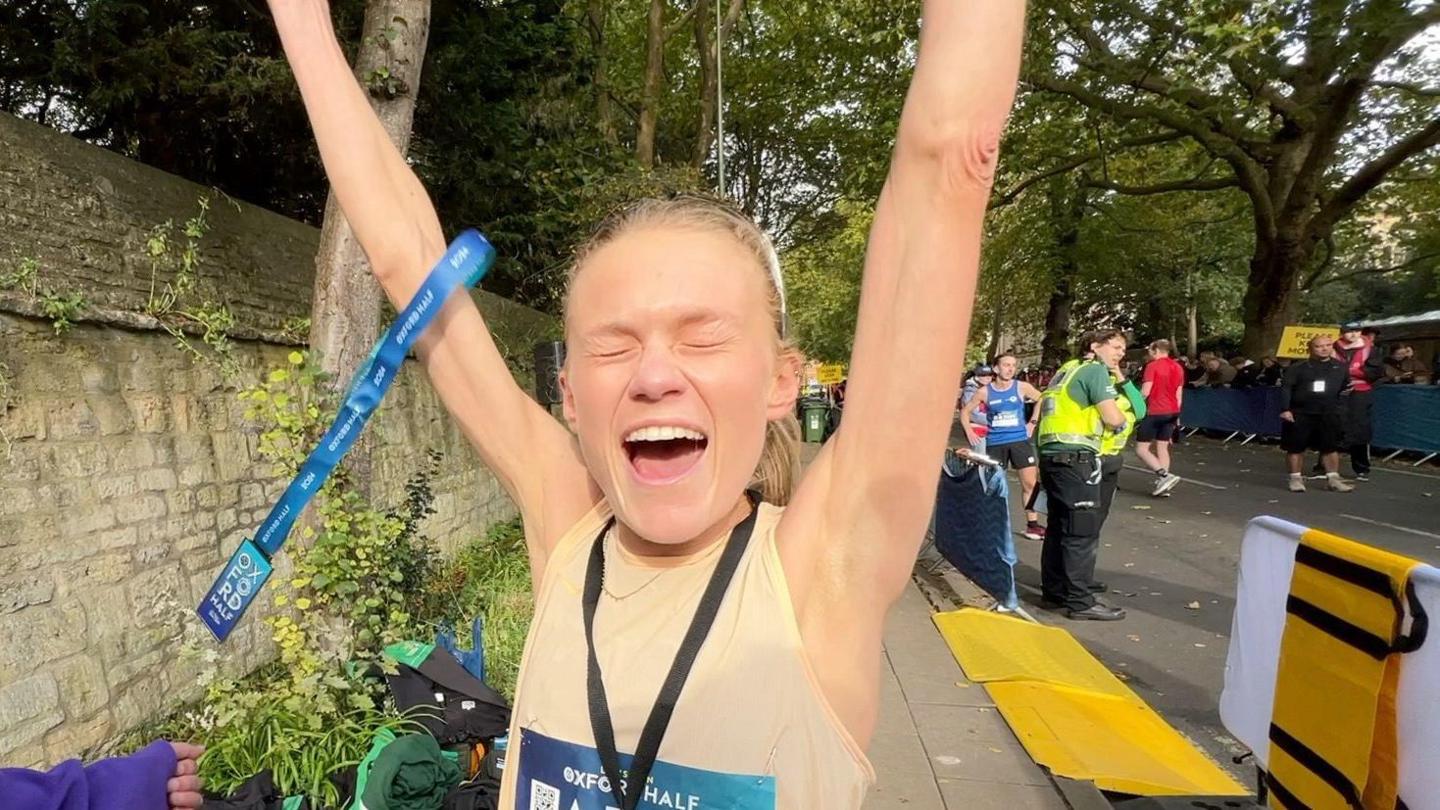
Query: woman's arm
[865,503]
[396,224]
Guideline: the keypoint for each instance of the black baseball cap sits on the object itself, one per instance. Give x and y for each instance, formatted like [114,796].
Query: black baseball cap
[1350,326]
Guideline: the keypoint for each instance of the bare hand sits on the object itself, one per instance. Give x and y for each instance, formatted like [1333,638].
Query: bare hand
[1029,430]
[1287,416]
[183,789]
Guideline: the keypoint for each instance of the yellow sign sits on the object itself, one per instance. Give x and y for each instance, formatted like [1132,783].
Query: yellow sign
[830,373]
[1294,343]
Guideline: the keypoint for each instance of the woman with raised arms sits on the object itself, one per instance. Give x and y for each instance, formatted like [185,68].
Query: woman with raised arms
[707,630]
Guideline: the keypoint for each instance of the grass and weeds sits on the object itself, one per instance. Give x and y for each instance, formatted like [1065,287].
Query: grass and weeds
[304,732]
[489,577]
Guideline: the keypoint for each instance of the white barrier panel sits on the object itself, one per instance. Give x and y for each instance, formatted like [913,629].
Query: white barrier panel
[1267,560]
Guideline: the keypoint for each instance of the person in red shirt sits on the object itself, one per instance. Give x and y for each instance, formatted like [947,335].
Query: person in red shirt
[1163,387]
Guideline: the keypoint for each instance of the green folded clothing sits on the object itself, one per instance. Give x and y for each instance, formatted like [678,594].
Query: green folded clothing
[410,773]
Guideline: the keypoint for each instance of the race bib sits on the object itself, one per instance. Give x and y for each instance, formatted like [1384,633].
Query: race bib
[1005,419]
[1318,386]
[557,775]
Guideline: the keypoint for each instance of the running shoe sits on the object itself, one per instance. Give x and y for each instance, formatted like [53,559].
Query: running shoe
[1034,531]
[1165,484]
[1297,485]
[1097,613]
[1337,485]
[1361,477]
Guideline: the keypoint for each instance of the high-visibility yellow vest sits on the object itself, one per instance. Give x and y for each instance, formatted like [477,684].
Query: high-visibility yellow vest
[1062,418]
[1112,442]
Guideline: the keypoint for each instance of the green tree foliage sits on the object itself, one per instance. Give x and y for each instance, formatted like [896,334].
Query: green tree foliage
[507,134]
[1262,144]
[822,279]
[1306,108]
[197,89]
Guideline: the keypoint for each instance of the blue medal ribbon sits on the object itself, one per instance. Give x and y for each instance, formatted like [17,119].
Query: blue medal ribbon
[463,265]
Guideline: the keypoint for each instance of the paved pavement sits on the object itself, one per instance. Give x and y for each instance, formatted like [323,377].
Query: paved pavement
[941,744]
[1171,563]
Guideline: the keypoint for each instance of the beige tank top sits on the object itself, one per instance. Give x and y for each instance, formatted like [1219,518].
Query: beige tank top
[751,730]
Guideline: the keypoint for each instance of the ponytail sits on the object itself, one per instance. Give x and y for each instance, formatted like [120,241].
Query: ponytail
[779,466]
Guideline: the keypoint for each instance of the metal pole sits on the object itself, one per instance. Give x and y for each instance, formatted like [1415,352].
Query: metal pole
[719,98]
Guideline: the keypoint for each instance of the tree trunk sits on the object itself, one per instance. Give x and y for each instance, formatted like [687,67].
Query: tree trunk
[596,12]
[1067,209]
[1055,348]
[1192,328]
[345,310]
[709,53]
[650,92]
[997,326]
[1271,296]
[705,124]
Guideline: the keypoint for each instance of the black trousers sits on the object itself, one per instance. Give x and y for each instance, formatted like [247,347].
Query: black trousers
[1072,532]
[1356,408]
[1109,482]
[1356,426]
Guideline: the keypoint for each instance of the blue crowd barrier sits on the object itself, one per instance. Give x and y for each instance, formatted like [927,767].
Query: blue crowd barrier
[1251,411]
[972,528]
[1404,417]
[1407,417]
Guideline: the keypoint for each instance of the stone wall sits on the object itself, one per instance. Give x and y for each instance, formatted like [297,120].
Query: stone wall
[127,471]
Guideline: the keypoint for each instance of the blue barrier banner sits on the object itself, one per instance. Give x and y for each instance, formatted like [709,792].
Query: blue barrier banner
[1406,417]
[1403,417]
[972,528]
[1248,410]
[464,263]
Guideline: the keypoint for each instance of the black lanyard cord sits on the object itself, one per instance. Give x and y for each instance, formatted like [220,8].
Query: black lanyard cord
[659,719]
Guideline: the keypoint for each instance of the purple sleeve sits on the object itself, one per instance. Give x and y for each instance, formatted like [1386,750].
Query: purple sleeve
[136,782]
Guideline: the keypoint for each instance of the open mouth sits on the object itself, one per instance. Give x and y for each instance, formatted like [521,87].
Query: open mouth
[662,454]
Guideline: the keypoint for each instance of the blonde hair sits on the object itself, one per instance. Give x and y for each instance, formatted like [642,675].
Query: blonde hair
[779,468]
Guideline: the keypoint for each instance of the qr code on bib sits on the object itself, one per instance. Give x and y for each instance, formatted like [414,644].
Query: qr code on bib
[543,796]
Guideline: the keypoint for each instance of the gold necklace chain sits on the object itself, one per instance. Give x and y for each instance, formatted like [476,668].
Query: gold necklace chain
[642,586]
[606,580]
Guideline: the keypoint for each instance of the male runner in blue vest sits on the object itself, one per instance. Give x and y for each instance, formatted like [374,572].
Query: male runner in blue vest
[1008,441]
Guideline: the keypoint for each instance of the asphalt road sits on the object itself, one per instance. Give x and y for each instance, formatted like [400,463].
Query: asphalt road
[1171,563]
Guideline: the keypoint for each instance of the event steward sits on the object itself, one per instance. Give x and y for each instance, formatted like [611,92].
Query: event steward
[1310,408]
[1076,410]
